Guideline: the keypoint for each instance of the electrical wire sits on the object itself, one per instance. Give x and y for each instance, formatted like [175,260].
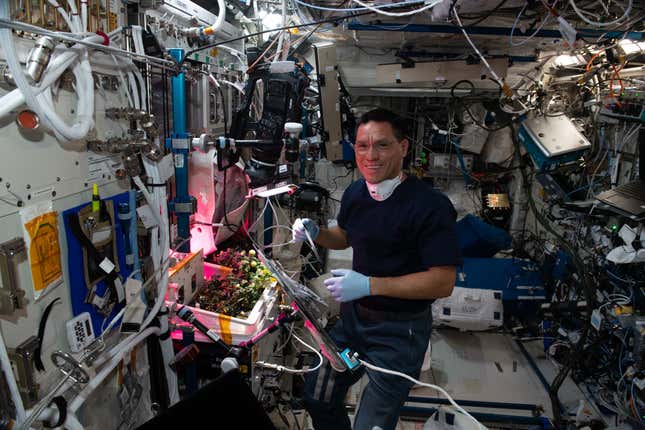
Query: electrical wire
[585,281]
[399,14]
[423,384]
[505,88]
[355,9]
[281,368]
[257,33]
[537,30]
[68,37]
[583,17]
[488,14]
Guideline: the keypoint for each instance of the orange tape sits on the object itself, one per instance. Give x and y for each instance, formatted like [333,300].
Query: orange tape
[225,329]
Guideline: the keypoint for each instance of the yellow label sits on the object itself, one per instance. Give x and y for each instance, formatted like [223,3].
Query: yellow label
[225,329]
[44,250]
[213,52]
[623,310]
[294,31]
[112,21]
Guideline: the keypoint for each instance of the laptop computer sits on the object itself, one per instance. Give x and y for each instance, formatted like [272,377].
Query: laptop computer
[629,198]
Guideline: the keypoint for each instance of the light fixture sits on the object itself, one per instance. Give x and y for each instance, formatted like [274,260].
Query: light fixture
[562,61]
[271,21]
[631,47]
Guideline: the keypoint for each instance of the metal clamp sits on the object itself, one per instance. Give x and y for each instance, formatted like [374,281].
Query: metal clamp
[23,359]
[72,370]
[11,297]
[70,367]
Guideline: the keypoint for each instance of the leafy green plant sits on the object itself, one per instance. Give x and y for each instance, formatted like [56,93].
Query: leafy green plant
[240,290]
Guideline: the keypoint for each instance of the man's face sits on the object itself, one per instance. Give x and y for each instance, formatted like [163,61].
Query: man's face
[379,155]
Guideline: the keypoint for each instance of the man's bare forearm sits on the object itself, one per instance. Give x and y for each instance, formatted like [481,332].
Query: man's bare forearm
[332,238]
[434,283]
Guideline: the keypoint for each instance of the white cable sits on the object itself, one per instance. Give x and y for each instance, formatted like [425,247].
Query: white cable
[582,16]
[149,199]
[134,90]
[110,353]
[423,384]
[96,381]
[152,169]
[285,369]
[142,88]
[84,14]
[124,86]
[74,17]
[212,29]
[479,54]
[42,103]
[237,86]
[11,56]
[221,14]
[236,53]
[537,30]
[356,9]
[69,37]
[395,14]
[488,66]
[84,85]
[285,46]
[282,32]
[62,13]
[72,423]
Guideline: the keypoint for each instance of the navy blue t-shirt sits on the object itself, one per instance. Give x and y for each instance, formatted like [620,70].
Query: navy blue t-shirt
[411,231]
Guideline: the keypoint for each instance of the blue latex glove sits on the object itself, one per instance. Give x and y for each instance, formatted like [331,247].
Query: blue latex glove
[347,285]
[300,225]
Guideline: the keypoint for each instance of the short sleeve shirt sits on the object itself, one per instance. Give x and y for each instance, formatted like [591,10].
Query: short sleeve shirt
[409,232]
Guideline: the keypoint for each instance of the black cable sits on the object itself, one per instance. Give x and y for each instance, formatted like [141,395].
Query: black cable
[293,49]
[38,362]
[288,27]
[452,89]
[485,127]
[488,14]
[577,349]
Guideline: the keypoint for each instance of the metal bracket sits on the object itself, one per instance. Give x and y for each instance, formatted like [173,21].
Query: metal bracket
[23,359]
[186,207]
[181,143]
[11,297]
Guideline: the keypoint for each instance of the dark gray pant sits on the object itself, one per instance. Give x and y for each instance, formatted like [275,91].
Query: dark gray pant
[392,344]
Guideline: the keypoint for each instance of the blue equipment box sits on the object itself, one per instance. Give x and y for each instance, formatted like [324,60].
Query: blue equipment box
[552,141]
[519,280]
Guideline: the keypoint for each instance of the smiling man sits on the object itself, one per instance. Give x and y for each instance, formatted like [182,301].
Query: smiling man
[404,255]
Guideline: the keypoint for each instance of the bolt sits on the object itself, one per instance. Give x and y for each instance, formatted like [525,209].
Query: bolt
[28,187]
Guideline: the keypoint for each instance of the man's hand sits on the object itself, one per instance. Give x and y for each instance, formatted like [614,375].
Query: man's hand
[346,285]
[300,225]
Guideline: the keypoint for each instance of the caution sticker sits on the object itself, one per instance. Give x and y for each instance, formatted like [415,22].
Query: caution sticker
[40,224]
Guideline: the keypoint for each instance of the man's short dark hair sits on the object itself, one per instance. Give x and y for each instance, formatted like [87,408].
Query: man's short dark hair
[384,115]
